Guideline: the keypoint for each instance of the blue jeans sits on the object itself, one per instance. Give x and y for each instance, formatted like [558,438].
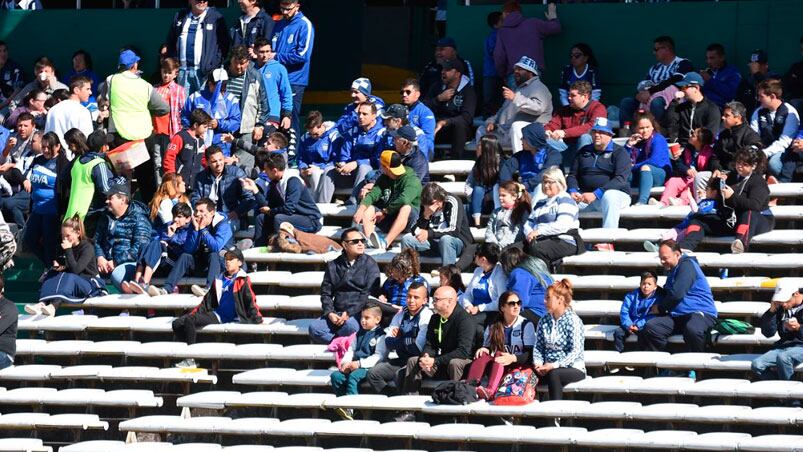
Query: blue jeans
[5,360]
[449,247]
[629,105]
[267,225]
[775,164]
[778,364]
[343,384]
[298,98]
[187,263]
[42,236]
[569,150]
[15,207]
[322,331]
[478,193]
[123,272]
[190,79]
[645,180]
[611,204]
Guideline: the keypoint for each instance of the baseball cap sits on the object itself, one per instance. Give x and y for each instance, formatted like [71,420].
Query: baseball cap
[219,75]
[535,135]
[234,253]
[391,161]
[758,56]
[406,132]
[454,64]
[97,139]
[119,188]
[784,290]
[127,59]
[692,78]
[528,64]
[602,125]
[446,42]
[397,111]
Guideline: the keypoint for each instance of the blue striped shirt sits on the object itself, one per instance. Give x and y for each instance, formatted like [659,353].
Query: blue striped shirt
[554,216]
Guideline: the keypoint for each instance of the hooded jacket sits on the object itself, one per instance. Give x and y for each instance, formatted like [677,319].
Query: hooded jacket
[221,106]
[320,152]
[184,156]
[730,141]
[773,322]
[293,41]
[532,102]
[686,290]
[121,239]
[245,301]
[215,38]
[278,90]
[530,166]
[520,36]
[636,308]
[211,239]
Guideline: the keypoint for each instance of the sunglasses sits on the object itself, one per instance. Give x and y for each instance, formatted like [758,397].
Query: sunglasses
[406,91]
[355,241]
[513,303]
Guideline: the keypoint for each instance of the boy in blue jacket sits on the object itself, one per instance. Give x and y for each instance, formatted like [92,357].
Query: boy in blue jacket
[165,247]
[636,309]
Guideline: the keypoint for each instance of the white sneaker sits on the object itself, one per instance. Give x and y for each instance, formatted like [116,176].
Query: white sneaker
[49,310]
[34,309]
[198,291]
[737,247]
[654,202]
[137,288]
[187,364]
[156,291]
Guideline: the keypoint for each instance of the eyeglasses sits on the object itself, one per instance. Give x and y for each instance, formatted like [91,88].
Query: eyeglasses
[355,241]
[513,303]
[549,182]
[575,55]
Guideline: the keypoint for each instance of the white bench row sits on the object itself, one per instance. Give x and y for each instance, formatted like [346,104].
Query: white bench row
[463,433]
[126,398]
[50,372]
[37,421]
[121,446]
[23,445]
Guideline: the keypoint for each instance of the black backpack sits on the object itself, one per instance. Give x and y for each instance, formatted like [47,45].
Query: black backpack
[454,393]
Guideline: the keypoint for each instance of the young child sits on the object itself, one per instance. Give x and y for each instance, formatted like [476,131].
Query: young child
[506,223]
[165,247]
[402,271]
[174,94]
[679,189]
[364,352]
[710,205]
[450,275]
[636,309]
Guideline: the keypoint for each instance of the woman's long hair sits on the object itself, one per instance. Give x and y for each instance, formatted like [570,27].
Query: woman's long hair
[404,265]
[486,169]
[168,190]
[75,224]
[497,336]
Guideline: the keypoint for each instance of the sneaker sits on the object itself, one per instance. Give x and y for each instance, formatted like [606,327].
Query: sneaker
[187,364]
[614,370]
[49,310]
[603,247]
[137,287]
[482,393]
[405,417]
[34,309]
[650,246]
[198,291]
[347,414]
[654,202]
[675,202]
[245,244]
[125,287]
[737,247]
[376,241]
[156,291]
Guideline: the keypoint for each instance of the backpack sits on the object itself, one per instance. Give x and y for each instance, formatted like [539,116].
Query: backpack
[726,327]
[454,393]
[517,387]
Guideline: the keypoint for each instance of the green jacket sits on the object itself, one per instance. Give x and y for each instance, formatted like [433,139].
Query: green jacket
[391,194]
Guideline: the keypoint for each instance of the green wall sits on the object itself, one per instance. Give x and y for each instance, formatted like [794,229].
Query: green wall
[621,35]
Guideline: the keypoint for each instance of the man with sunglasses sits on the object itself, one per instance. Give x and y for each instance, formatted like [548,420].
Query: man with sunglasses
[419,114]
[347,283]
[293,38]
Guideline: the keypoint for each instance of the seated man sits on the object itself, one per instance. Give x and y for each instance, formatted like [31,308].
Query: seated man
[598,179]
[736,134]
[354,160]
[360,93]
[531,162]
[317,149]
[530,102]
[448,349]
[420,115]
[392,204]
[442,226]
[231,301]
[454,103]
[783,318]
[8,328]
[225,111]
[123,230]
[209,234]
[280,200]
[17,157]
[445,49]
[776,122]
[685,116]
[347,283]
[394,118]
[406,336]
[687,306]
[222,184]
[569,128]
[407,143]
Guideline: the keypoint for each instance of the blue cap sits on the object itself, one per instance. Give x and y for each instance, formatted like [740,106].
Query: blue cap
[528,64]
[602,125]
[446,42]
[362,85]
[534,135]
[692,78]
[127,59]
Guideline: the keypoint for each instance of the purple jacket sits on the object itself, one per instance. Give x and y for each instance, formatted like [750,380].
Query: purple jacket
[520,36]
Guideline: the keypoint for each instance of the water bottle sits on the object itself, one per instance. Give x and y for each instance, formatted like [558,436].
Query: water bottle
[624,131]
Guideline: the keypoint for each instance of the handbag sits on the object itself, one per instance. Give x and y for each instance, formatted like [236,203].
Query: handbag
[517,387]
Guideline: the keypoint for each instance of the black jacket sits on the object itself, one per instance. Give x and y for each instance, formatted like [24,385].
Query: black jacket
[772,322]
[684,117]
[260,26]
[460,108]
[8,326]
[215,40]
[346,288]
[752,193]
[453,339]
[451,220]
[81,259]
[730,141]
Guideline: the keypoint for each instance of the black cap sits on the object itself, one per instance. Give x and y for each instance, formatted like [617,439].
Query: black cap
[455,64]
[120,187]
[234,253]
[397,111]
[758,56]
[97,139]
[446,42]
[407,132]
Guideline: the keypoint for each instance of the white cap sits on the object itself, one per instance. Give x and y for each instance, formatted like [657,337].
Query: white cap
[220,75]
[784,290]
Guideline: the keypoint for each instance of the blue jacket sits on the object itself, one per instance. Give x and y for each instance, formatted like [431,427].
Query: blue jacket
[278,90]
[320,152]
[422,117]
[705,207]
[42,174]
[529,166]
[211,239]
[348,119]
[215,40]
[260,26]
[418,162]
[722,87]
[121,239]
[635,309]
[597,172]
[687,291]
[529,288]
[360,145]
[297,199]
[658,156]
[293,41]
[231,196]
[175,244]
[488,67]
[226,110]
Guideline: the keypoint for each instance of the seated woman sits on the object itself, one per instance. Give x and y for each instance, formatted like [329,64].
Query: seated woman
[551,232]
[450,275]
[745,195]
[507,342]
[650,155]
[680,189]
[74,277]
[402,271]
[172,191]
[487,284]
[506,223]
[529,277]
[559,341]
[484,178]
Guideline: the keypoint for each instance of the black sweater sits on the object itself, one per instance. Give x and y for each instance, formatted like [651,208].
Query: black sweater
[450,220]
[81,259]
[730,141]
[752,193]
[684,117]
[8,326]
[772,322]
[456,338]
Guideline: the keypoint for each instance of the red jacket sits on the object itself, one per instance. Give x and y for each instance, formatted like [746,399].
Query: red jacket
[576,122]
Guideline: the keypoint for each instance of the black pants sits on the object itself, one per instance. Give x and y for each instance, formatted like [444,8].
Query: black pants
[382,374]
[455,133]
[693,327]
[559,377]
[792,163]
[186,327]
[748,224]
[619,336]
[551,249]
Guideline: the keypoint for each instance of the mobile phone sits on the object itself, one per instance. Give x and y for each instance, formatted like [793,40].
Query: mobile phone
[721,184]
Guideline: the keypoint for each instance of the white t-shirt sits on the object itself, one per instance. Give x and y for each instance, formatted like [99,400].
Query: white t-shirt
[66,115]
